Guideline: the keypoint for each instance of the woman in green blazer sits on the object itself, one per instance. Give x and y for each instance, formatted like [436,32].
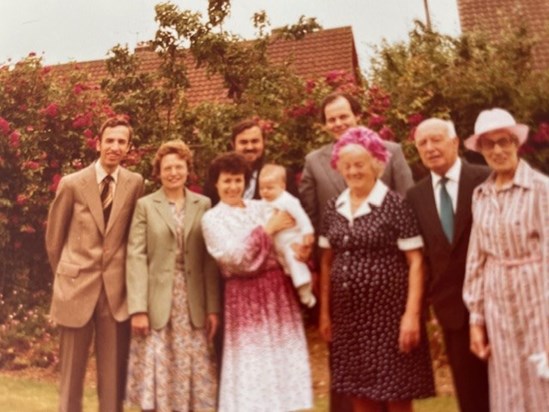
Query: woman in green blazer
[173,293]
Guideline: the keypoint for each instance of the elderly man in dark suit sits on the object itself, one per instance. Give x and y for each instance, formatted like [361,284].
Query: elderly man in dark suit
[442,204]
[86,236]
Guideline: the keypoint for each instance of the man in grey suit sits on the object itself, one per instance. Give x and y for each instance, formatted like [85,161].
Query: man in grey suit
[319,182]
[442,204]
[86,236]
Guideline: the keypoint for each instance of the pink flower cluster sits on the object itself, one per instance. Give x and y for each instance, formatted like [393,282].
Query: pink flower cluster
[542,134]
[308,108]
[51,110]
[4,126]
[364,137]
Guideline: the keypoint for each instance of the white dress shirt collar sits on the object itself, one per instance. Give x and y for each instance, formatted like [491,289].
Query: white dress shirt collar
[100,173]
[374,198]
[452,184]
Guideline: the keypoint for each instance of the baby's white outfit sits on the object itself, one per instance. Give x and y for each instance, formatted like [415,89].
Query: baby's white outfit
[297,270]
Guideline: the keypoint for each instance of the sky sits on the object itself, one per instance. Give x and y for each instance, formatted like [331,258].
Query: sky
[80,30]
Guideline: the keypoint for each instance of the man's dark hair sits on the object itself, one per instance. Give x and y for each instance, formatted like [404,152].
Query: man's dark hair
[353,102]
[232,163]
[118,120]
[241,126]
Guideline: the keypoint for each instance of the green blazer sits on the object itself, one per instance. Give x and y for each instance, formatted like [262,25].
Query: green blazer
[150,262]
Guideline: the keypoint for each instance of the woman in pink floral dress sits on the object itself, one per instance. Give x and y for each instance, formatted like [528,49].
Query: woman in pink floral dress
[265,362]
[508,268]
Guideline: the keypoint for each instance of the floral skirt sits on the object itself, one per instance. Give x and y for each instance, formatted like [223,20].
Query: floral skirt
[172,369]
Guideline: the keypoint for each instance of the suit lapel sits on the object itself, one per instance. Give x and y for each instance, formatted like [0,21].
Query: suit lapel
[191,206]
[162,206]
[119,199]
[463,206]
[332,176]
[430,210]
[90,192]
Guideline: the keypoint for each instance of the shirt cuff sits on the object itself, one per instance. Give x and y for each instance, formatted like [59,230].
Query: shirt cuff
[323,242]
[410,243]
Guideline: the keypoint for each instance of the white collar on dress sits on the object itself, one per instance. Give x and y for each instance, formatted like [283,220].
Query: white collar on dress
[374,198]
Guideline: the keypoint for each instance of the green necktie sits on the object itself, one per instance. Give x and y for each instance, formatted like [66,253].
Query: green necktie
[446,211]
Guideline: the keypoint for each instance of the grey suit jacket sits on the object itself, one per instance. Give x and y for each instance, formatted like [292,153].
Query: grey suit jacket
[319,182]
[445,261]
[84,254]
[150,265]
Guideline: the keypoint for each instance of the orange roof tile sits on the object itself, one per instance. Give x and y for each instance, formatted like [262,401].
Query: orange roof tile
[489,15]
[315,55]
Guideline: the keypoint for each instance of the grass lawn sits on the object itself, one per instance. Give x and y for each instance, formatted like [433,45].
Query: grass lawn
[22,394]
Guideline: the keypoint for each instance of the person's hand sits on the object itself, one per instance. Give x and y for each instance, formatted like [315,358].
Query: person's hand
[325,326]
[211,326]
[409,332]
[302,251]
[479,341]
[140,324]
[280,220]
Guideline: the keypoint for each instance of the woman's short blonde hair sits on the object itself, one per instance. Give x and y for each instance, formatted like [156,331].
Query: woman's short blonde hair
[177,147]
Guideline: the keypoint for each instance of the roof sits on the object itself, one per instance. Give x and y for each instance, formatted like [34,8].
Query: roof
[315,55]
[489,16]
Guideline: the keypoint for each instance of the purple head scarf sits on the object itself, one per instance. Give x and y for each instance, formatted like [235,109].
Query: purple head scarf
[364,137]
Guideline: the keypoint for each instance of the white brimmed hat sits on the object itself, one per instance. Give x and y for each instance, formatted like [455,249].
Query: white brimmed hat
[495,119]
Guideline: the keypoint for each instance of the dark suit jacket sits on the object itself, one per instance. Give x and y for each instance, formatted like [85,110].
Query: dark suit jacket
[445,261]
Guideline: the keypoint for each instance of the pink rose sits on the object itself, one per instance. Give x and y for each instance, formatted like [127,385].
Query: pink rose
[15,139]
[51,111]
[21,199]
[4,126]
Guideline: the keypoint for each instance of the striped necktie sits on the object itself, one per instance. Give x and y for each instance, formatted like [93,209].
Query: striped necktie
[107,196]
[446,210]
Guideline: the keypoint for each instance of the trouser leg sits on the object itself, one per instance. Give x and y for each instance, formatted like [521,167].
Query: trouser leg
[470,374]
[111,348]
[73,354]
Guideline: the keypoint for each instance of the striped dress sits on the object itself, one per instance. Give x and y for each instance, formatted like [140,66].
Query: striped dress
[507,285]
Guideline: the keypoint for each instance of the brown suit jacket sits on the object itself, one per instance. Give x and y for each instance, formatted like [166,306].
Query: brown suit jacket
[84,254]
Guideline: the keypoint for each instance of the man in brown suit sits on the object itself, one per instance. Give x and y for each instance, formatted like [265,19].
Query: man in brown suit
[86,236]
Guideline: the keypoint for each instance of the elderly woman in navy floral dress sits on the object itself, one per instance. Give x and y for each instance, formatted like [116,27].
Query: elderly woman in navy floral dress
[371,306]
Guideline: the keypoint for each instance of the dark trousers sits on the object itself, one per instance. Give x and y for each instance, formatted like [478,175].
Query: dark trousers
[470,374]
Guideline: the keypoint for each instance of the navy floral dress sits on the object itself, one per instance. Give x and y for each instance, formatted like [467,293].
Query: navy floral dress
[369,285]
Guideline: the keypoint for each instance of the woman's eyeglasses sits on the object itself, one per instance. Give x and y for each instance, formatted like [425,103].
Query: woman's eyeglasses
[503,143]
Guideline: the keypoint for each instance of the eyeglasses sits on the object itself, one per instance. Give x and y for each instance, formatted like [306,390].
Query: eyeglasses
[503,143]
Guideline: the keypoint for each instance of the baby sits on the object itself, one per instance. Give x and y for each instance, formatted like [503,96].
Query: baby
[272,189]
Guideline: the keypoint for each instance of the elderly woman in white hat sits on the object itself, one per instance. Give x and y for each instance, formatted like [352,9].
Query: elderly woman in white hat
[507,277]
